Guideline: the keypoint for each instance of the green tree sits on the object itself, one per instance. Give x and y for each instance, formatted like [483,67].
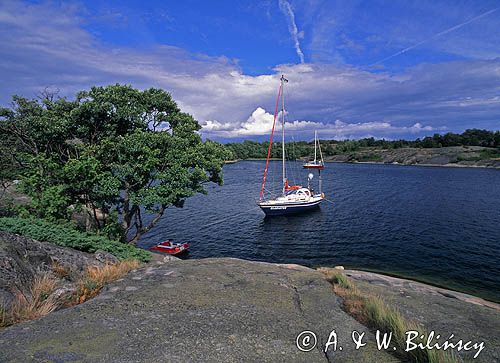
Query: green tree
[451,139]
[8,164]
[115,152]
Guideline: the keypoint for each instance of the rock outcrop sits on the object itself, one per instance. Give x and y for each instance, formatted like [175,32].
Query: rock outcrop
[210,310]
[444,311]
[446,156]
[230,310]
[21,259]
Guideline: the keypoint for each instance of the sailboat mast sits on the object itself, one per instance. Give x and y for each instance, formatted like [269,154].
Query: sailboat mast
[315,138]
[283,80]
[270,143]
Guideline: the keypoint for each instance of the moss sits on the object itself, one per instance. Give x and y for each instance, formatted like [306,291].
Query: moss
[85,345]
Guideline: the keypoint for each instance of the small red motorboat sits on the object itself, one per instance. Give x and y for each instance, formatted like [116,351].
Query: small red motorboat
[171,248]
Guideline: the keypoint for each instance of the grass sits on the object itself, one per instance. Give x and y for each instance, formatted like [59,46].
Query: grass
[108,273]
[95,278]
[337,278]
[60,271]
[373,312]
[40,299]
[37,302]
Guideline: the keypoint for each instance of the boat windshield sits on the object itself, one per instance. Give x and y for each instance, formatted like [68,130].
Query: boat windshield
[298,192]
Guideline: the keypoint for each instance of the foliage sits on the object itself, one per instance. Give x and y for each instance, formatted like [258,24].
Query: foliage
[113,153]
[490,154]
[8,169]
[370,157]
[64,235]
[301,149]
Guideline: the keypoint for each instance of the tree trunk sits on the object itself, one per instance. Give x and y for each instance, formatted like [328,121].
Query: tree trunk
[140,231]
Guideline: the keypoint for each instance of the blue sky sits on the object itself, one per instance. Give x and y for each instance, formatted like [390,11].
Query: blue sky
[392,69]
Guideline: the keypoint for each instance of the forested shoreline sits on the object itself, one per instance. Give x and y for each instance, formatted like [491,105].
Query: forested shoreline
[303,149]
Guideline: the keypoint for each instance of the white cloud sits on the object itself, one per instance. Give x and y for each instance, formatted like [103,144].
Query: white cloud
[52,49]
[260,123]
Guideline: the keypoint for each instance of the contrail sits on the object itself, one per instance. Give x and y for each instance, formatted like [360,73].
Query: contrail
[436,36]
[286,9]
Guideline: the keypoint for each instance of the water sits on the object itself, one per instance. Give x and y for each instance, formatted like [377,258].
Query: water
[437,225]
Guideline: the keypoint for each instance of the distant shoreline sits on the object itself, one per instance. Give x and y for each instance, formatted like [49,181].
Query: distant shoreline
[450,156]
[450,165]
[426,165]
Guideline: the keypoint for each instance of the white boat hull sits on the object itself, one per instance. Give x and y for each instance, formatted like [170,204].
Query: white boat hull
[279,208]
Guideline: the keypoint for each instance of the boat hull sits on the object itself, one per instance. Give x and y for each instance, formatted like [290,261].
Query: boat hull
[312,166]
[169,248]
[280,209]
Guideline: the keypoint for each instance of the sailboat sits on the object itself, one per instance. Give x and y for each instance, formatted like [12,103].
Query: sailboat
[315,164]
[294,199]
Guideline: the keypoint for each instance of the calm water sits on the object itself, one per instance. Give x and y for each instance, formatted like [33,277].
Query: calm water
[438,225]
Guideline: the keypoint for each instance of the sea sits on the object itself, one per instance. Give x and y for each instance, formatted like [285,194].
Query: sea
[438,225]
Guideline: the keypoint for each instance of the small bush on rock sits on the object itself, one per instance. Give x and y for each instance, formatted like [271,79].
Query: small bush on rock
[64,235]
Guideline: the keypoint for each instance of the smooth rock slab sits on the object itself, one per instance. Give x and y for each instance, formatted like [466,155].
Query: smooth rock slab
[210,310]
[443,311]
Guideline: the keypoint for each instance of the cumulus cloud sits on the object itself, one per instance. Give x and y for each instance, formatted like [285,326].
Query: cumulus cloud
[51,48]
[287,10]
[260,123]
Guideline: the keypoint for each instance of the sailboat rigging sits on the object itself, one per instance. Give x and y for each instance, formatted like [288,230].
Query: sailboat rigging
[294,198]
[315,164]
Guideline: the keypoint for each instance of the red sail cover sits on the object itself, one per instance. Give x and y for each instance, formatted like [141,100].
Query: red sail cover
[291,187]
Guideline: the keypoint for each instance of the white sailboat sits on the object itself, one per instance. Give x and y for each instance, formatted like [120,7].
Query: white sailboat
[316,164]
[296,198]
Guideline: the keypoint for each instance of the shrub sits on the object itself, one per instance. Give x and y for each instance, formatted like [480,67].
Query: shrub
[66,236]
[370,157]
[490,154]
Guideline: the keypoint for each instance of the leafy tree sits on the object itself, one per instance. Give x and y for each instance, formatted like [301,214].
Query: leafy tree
[115,153]
[8,169]
[429,142]
[476,137]
[496,139]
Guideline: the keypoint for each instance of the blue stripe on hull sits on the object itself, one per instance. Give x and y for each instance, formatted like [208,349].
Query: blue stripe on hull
[287,210]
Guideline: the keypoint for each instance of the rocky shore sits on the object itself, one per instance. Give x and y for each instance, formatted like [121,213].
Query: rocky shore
[231,310]
[453,156]
[458,156]
[21,259]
